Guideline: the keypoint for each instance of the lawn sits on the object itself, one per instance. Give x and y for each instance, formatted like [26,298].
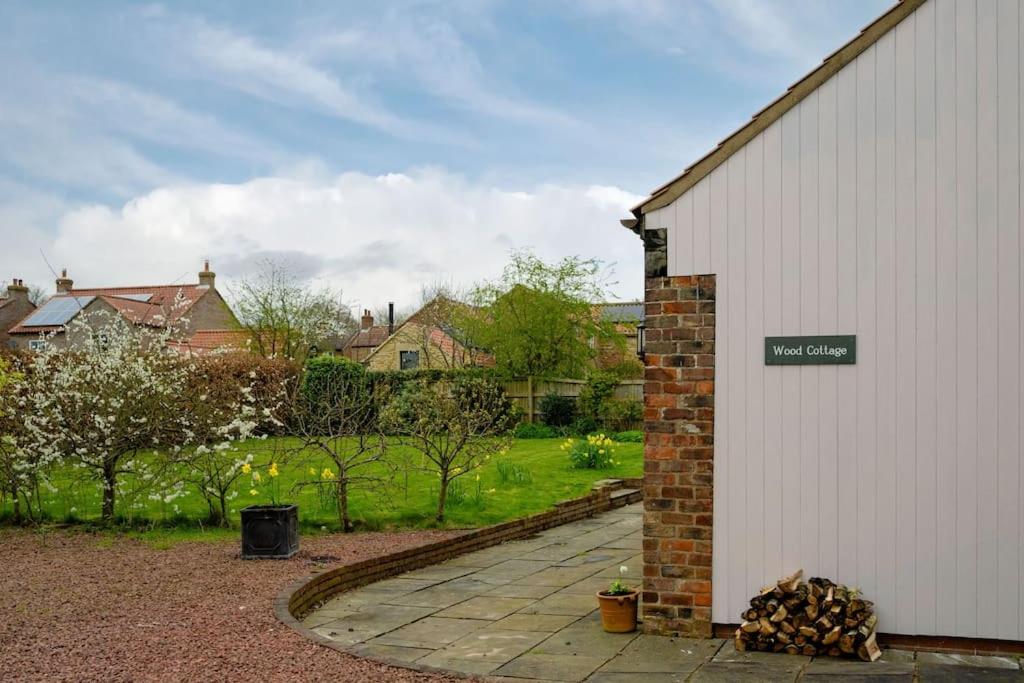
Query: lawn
[409,501]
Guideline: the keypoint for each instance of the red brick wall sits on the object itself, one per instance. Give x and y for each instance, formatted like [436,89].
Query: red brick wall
[679,422]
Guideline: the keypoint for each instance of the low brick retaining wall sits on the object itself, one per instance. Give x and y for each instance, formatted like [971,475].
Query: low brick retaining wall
[306,593]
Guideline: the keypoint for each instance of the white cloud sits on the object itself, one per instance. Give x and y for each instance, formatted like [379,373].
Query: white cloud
[378,238]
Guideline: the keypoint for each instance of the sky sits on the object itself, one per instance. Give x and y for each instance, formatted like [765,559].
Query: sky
[372,148]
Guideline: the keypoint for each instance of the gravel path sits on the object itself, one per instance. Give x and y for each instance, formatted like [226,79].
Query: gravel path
[77,606]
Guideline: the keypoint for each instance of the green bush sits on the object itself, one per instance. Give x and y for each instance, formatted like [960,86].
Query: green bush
[223,375]
[557,410]
[632,436]
[622,414]
[534,430]
[599,388]
[582,426]
[595,452]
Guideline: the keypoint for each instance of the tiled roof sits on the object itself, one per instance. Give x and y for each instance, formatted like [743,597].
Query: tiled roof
[622,311]
[165,303]
[210,340]
[371,337]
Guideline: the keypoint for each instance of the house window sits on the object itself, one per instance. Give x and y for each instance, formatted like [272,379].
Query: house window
[37,344]
[408,360]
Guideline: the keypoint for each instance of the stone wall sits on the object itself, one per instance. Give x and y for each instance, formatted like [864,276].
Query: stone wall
[679,422]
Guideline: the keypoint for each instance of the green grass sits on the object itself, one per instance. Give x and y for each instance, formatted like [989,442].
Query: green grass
[409,501]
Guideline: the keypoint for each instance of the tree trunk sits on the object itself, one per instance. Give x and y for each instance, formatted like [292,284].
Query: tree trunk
[17,504]
[222,499]
[442,496]
[109,479]
[346,522]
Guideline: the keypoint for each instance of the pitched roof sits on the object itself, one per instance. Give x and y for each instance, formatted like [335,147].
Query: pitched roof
[622,311]
[370,337]
[154,306]
[869,35]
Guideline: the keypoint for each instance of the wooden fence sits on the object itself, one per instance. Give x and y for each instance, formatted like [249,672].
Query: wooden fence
[527,393]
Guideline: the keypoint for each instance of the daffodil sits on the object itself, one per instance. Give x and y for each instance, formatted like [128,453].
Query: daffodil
[246,468]
[312,471]
[327,474]
[253,492]
[273,470]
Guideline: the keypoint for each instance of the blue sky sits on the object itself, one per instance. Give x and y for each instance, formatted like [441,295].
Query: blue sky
[372,147]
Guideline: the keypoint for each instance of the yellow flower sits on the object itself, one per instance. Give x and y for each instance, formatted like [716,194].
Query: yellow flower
[600,451]
[273,470]
[327,474]
[312,471]
[256,476]
[478,477]
[246,468]
[253,492]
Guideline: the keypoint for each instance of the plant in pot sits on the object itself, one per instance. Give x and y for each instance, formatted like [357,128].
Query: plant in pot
[269,531]
[619,605]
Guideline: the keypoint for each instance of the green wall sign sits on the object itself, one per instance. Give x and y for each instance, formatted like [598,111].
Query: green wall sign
[829,350]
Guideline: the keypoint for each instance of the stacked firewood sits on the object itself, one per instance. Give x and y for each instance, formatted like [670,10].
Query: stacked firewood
[815,617]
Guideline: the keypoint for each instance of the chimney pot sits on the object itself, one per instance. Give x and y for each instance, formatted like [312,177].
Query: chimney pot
[64,283]
[207,276]
[367,321]
[16,290]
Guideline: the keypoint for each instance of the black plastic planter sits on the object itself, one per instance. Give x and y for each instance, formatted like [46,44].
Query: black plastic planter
[270,532]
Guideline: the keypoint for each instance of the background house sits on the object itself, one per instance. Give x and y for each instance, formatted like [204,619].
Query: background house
[428,339]
[361,343]
[627,316]
[198,308]
[13,307]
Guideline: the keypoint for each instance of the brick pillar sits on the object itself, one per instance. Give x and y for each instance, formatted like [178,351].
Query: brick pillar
[679,423]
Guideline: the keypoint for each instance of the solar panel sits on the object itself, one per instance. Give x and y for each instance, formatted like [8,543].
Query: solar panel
[144,298]
[57,311]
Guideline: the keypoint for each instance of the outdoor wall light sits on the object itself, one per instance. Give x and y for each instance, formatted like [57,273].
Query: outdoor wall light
[640,341]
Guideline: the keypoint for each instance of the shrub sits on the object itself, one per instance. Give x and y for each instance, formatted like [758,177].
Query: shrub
[599,388]
[622,414]
[592,453]
[223,375]
[582,426]
[632,436]
[534,430]
[557,410]
[510,472]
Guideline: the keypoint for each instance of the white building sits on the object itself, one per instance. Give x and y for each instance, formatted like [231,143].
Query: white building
[879,197]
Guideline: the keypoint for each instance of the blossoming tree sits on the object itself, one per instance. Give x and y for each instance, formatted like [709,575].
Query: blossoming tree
[113,393]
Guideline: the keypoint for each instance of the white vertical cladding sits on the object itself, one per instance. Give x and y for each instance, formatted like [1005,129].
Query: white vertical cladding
[888,205]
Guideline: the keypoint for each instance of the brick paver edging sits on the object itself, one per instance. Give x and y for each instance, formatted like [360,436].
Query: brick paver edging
[304,594]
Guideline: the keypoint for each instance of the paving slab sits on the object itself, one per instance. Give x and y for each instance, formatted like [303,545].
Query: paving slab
[551,667]
[439,572]
[515,569]
[579,605]
[438,597]
[399,585]
[492,645]
[603,557]
[661,654]
[559,576]
[584,639]
[968,660]
[401,654]
[515,590]
[602,676]
[486,607]
[836,666]
[536,622]
[381,618]
[951,673]
[736,672]
[431,632]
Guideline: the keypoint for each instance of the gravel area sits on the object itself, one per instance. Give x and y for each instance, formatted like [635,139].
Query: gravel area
[78,606]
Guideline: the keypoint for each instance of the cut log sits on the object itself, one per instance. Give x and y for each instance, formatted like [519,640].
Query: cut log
[791,582]
[869,650]
[848,642]
[749,626]
[832,636]
[780,614]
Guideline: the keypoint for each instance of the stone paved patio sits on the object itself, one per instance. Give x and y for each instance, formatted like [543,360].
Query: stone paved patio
[526,611]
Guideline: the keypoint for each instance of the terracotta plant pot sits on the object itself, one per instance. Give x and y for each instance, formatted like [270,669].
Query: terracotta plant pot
[618,612]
